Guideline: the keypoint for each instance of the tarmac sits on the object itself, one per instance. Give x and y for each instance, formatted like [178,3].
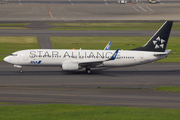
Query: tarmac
[130,86]
[39,10]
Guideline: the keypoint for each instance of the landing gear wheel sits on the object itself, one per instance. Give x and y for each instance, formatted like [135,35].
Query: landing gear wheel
[88,70]
[21,71]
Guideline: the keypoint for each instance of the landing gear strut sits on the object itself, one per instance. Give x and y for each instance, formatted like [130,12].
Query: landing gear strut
[88,70]
[20,68]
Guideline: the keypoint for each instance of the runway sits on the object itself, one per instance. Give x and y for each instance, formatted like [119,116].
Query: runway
[131,86]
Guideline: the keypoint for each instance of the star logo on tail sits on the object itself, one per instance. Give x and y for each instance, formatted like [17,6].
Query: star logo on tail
[159,43]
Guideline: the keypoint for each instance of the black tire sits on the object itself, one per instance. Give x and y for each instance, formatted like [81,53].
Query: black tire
[88,71]
[21,71]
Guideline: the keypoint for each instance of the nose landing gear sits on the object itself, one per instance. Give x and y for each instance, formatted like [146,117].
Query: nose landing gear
[18,66]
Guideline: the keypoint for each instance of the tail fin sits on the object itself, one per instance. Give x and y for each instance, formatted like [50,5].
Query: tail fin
[159,40]
[108,46]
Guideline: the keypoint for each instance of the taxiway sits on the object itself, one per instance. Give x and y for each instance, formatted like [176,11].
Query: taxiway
[38,10]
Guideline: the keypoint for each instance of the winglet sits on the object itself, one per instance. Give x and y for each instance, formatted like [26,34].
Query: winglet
[114,55]
[108,46]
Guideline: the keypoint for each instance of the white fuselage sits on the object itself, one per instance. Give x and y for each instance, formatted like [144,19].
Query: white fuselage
[56,57]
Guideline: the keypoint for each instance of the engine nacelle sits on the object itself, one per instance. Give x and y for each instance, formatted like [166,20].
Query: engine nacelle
[70,66]
[17,66]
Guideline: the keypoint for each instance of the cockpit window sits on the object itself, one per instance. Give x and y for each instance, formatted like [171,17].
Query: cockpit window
[13,54]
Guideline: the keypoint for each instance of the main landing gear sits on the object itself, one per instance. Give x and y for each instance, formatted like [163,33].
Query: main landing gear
[21,71]
[88,71]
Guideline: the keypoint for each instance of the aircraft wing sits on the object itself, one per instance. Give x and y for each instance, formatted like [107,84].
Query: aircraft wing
[98,62]
[108,46]
[90,63]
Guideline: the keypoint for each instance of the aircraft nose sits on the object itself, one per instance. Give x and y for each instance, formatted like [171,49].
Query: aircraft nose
[7,59]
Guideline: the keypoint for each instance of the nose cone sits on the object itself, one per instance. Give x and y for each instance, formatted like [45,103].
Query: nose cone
[7,59]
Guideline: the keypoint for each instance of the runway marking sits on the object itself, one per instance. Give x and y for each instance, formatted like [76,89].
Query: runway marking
[49,11]
[160,2]
[142,8]
[72,4]
[136,9]
[149,9]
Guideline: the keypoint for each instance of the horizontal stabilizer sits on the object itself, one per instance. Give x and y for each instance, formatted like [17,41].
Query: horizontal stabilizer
[161,54]
[167,51]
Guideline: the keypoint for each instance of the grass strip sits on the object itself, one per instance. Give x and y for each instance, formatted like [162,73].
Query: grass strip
[110,26]
[168,88]
[13,28]
[13,24]
[125,43]
[84,112]
[10,44]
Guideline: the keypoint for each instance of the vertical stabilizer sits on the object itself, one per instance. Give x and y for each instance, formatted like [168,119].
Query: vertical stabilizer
[159,40]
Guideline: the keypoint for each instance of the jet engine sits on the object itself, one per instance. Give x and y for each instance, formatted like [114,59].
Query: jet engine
[70,66]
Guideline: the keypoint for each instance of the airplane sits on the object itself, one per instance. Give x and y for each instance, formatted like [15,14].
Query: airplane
[108,46]
[74,60]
